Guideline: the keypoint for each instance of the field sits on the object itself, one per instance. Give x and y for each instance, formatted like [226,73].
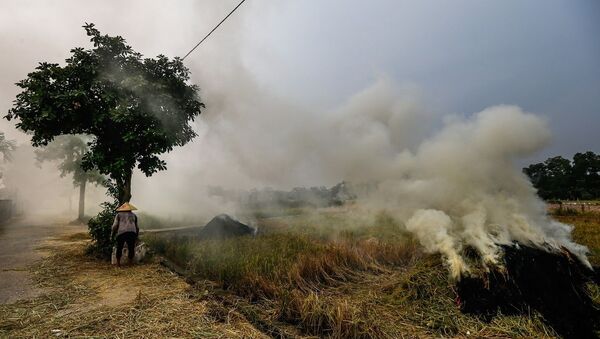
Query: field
[329,273]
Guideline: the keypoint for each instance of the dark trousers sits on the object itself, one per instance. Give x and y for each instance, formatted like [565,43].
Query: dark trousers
[129,238]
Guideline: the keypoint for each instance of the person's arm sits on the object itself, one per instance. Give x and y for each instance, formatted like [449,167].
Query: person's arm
[137,229]
[115,226]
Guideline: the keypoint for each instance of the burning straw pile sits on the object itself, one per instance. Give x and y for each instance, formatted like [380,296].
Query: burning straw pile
[552,282]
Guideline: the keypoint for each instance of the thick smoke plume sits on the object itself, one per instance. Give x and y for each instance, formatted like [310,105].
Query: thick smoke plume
[451,181]
[462,188]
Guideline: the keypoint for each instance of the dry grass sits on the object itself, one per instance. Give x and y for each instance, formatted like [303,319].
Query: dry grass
[586,232]
[343,282]
[290,271]
[294,279]
[425,298]
[87,298]
[318,313]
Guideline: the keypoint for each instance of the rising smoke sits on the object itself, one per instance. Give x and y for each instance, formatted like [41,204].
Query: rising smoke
[458,187]
[452,186]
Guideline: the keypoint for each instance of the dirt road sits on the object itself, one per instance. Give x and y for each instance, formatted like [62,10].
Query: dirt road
[75,295]
[19,240]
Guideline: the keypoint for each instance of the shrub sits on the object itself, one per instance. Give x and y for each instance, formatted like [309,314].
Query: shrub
[100,225]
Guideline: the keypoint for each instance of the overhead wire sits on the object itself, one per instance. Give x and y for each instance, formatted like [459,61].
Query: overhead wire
[209,33]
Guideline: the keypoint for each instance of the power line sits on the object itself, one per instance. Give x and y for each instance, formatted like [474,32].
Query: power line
[209,33]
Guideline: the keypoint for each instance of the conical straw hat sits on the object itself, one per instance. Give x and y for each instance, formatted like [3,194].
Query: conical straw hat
[126,207]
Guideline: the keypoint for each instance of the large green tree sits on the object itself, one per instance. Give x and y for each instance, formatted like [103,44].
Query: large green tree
[133,108]
[560,178]
[68,152]
[586,175]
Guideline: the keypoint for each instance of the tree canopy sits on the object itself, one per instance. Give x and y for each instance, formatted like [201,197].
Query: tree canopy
[560,178]
[133,108]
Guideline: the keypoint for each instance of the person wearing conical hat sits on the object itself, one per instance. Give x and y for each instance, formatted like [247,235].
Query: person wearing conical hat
[125,227]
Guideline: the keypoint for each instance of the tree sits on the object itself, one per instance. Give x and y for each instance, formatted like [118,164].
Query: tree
[586,172]
[6,147]
[69,150]
[134,109]
[560,178]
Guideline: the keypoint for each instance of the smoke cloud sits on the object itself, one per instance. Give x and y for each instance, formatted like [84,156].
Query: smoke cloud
[451,187]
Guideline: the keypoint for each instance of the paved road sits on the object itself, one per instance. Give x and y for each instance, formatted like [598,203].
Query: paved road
[18,242]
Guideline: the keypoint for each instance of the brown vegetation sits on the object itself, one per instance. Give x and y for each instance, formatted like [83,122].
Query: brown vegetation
[586,231]
[327,276]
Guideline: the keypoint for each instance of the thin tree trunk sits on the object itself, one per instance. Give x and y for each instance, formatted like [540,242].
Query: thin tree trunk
[82,199]
[126,189]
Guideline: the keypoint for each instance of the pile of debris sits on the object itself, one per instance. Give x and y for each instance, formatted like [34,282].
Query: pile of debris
[552,282]
[141,250]
[223,226]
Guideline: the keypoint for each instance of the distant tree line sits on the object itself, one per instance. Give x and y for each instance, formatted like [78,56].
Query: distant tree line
[558,178]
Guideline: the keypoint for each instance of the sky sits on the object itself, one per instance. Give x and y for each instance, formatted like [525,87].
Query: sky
[312,57]
[463,55]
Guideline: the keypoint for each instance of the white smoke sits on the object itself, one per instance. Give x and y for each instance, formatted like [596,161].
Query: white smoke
[463,188]
[453,187]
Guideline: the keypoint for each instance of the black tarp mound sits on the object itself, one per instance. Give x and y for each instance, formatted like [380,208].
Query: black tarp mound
[224,226]
[550,282]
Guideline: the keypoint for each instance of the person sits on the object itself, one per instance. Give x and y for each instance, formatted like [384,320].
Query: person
[126,228]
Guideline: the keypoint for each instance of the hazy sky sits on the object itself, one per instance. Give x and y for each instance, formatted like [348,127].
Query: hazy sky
[463,55]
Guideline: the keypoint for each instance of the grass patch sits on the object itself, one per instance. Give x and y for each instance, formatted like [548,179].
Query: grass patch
[586,232]
[258,266]
[289,267]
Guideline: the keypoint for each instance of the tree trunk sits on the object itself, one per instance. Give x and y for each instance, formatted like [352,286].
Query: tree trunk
[126,188]
[82,200]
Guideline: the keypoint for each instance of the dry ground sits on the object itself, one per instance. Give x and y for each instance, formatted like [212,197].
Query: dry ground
[18,240]
[84,297]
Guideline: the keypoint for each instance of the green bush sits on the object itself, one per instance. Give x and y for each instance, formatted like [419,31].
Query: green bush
[100,226]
